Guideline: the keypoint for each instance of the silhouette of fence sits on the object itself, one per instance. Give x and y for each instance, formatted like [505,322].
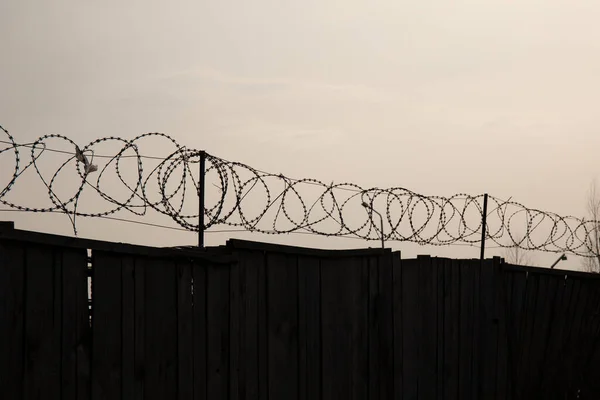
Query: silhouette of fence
[258,321]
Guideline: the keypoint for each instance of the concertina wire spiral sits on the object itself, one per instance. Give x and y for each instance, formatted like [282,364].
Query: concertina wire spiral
[285,208]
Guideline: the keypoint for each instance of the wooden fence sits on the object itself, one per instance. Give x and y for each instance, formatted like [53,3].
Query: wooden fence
[258,321]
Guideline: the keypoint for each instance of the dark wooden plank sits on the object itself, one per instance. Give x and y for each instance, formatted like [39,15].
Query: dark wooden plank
[397,303]
[235,334]
[128,382]
[12,294]
[476,360]
[451,319]
[553,355]
[502,304]
[282,309]
[161,329]
[374,372]
[42,372]
[517,284]
[249,264]
[440,296]
[572,356]
[309,328]
[217,310]
[344,291]
[140,326]
[199,325]
[468,281]
[488,348]
[386,326]
[427,289]
[544,329]
[185,344]
[75,326]
[107,326]
[411,320]
[528,370]
[263,366]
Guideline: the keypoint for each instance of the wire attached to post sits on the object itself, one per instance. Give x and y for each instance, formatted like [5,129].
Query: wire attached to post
[201,198]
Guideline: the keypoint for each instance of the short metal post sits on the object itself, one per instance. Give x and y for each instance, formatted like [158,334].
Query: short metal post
[201,191]
[483,227]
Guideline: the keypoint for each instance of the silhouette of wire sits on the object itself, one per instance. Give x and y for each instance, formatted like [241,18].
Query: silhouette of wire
[249,199]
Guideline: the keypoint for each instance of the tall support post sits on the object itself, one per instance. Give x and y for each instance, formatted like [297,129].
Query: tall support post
[201,198]
[483,227]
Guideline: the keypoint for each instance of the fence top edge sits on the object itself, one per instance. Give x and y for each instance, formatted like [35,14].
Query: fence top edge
[239,244]
[548,271]
[113,247]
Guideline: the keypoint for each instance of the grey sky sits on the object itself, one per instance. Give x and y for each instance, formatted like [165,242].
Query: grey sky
[436,96]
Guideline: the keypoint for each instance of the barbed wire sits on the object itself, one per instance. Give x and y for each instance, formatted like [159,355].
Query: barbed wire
[240,196]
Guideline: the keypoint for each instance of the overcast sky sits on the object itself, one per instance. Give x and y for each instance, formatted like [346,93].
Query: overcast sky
[438,96]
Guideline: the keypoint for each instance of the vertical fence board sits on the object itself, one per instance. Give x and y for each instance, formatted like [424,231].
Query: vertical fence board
[107,326]
[476,347]
[42,372]
[128,327]
[502,380]
[249,264]
[544,328]
[12,294]
[309,320]
[411,313]
[373,326]
[161,330]
[75,326]
[185,344]
[398,325]
[199,328]
[235,334]
[386,327]
[529,370]
[488,345]
[344,331]
[451,320]
[263,344]
[427,288]
[440,292]
[139,327]
[518,282]
[467,318]
[282,292]
[553,355]
[217,310]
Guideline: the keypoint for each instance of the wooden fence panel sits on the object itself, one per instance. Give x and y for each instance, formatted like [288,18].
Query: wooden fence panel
[427,295]
[344,328]
[185,334]
[384,315]
[44,325]
[398,325]
[107,342]
[218,341]
[451,326]
[75,335]
[282,320]
[309,327]
[161,330]
[199,329]
[411,328]
[12,296]
[246,345]
[488,350]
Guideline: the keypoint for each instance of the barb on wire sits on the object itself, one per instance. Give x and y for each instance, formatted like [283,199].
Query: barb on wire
[240,196]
